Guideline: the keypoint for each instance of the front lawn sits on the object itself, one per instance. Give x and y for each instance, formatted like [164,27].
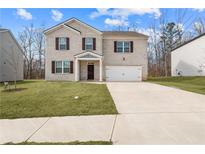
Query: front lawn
[193,84]
[38,98]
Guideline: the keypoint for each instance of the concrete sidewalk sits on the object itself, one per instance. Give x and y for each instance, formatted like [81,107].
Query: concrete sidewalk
[57,129]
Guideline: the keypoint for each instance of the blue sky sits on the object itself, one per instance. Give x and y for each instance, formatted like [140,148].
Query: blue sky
[103,19]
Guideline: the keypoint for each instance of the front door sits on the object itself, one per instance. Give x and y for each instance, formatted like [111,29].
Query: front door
[90,72]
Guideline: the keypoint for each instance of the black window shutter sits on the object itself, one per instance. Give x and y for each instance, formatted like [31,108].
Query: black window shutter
[83,43]
[53,67]
[71,66]
[67,43]
[131,46]
[57,43]
[115,46]
[94,43]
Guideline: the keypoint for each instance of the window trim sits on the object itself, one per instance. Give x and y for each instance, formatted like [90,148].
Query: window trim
[89,44]
[60,44]
[123,47]
[56,67]
[68,67]
[128,46]
[62,64]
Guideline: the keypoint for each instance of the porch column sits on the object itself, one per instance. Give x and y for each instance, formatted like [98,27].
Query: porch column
[101,69]
[76,70]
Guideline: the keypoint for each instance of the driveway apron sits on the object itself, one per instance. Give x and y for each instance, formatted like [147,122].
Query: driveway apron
[155,114]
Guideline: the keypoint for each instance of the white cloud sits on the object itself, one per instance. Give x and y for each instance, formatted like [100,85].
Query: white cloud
[116,22]
[125,13]
[56,15]
[199,9]
[119,17]
[24,14]
[99,12]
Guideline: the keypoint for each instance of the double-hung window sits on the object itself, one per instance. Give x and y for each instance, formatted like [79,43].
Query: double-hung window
[123,46]
[88,43]
[119,46]
[62,67]
[58,66]
[62,43]
[66,66]
[126,46]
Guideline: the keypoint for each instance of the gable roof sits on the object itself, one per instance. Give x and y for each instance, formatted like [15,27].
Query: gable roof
[124,33]
[11,34]
[72,28]
[188,42]
[64,23]
[87,25]
[88,53]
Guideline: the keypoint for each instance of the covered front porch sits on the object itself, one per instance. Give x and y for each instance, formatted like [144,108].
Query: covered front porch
[88,66]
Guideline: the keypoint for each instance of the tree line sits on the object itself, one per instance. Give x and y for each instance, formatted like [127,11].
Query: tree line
[164,36]
[32,41]
[169,35]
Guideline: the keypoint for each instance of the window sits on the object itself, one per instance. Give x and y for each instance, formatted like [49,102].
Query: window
[126,46]
[58,66]
[62,66]
[62,43]
[88,43]
[119,46]
[123,46]
[66,67]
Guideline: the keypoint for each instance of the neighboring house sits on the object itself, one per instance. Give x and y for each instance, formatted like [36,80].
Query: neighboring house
[77,51]
[189,58]
[11,57]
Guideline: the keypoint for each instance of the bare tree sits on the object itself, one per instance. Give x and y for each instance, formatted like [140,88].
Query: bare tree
[39,42]
[26,40]
[199,26]
[166,34]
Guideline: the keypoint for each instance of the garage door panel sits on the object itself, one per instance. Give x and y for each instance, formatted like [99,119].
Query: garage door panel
[123,73]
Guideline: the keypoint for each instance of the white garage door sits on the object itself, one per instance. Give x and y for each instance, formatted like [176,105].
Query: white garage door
[123,73]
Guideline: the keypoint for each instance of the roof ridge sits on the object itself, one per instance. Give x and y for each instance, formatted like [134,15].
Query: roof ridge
[70,19]
[189,41]
[124,32]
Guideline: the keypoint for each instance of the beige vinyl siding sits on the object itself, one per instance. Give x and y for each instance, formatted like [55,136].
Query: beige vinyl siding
[104,46]
[137,58]
[75,48]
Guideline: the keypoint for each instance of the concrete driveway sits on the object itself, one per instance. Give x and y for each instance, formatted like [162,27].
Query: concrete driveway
[155,114]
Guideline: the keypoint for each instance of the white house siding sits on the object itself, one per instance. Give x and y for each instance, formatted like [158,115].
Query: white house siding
[189,60]
[11,58]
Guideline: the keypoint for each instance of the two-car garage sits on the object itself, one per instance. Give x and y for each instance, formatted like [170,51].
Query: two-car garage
[123,73]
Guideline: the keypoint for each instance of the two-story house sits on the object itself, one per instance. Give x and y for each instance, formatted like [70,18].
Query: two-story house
[77,51]
[11,57]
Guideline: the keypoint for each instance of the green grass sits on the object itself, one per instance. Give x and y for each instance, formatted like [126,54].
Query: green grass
[62,143]
[193,84]
[40,98]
